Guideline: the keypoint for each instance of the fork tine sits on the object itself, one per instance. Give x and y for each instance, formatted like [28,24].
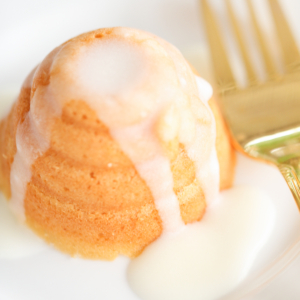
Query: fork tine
[241,42]
[269,64]
[288,45]
[222,69]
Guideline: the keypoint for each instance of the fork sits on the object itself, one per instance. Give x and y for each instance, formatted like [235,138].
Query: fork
[264,116]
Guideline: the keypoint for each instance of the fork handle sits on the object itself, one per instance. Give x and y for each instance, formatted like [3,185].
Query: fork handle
[290,175]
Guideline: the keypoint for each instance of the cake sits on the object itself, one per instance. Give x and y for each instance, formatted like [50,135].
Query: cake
[111,142]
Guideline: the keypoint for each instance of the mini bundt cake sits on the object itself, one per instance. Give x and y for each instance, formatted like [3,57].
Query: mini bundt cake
[112,141]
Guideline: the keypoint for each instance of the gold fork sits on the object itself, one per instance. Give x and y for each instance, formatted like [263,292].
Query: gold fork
[263,117]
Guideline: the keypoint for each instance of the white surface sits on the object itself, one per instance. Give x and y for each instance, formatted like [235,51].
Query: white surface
[210,258]
[16,240]
[29,29]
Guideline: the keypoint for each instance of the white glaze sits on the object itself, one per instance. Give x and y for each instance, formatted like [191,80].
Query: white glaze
[142,146]
[27,137]
[109,67]
[139,141]
[208,258]
[207,171]
[154,169]
[32,140]
[204,88]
